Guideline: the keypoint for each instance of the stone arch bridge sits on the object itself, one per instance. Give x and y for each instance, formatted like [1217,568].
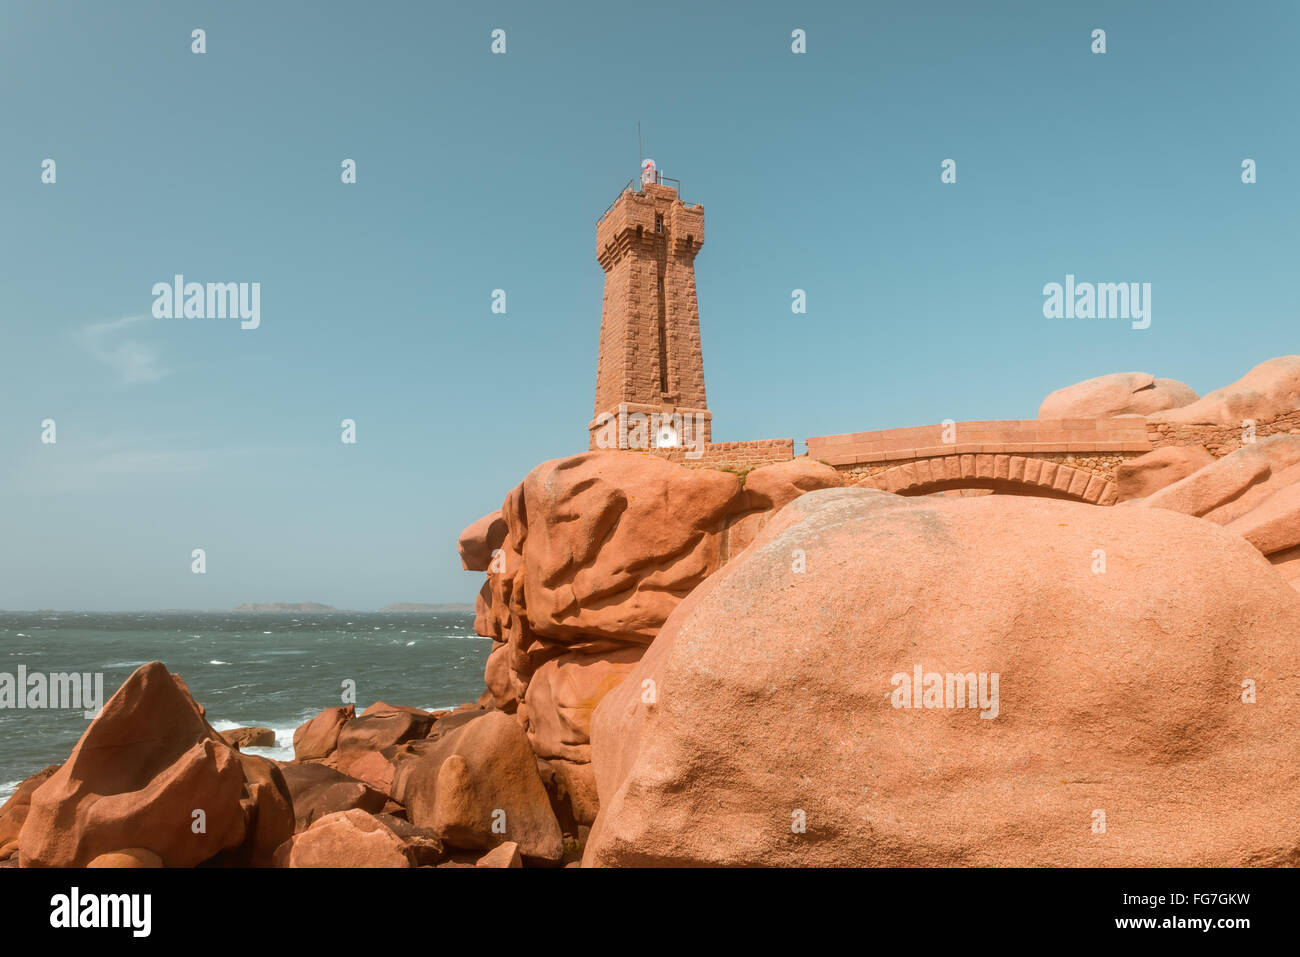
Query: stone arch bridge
[1071,459]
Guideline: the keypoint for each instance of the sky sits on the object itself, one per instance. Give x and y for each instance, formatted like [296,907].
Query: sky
[478,171]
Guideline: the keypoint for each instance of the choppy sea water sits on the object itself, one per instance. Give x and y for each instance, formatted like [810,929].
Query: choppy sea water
[264,670]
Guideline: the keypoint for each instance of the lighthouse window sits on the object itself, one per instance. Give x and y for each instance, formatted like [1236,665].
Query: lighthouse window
[659,224]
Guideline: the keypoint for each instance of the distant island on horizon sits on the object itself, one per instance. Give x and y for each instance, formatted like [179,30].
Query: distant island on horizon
[273,607]
[281,606]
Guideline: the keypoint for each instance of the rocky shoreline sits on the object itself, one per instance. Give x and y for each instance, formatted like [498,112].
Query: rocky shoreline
[692,666]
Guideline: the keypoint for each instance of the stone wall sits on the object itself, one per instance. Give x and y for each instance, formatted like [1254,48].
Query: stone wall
[1094,446]
[1101,464]
[1218,440]
[733,456]
[1040,438]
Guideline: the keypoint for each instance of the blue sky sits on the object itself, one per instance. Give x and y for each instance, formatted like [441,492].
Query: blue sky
[478,171]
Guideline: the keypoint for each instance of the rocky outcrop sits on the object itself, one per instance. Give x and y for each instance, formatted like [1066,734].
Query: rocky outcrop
[130,857]
[268,811]
[1287,564]
[424,845]
[148,772]
[249,737]
[562,695]
[351,838]
[692,666]
[1122,393]
[14,811]
[610,542]
[1254,492]
[1274,525]
[571,786]
[503,855]
[477,787]
[318,791]
[769,489]
[319,737]
[586,560]
[478,542]
[1221,485]
[374,770]
[765,724]
[1147,474]
[380,726]
[1266,392]
[151,784]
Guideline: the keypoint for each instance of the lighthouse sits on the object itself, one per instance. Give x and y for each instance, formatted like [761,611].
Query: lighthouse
[650,370]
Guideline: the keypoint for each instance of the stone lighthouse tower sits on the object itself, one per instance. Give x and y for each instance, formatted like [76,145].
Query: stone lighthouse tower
[650,369]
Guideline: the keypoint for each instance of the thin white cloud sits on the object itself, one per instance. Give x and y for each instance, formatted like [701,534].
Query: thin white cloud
[115,462]
[139,462]
[131,360]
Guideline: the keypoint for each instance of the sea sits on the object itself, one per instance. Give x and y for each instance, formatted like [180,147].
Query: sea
[246,669]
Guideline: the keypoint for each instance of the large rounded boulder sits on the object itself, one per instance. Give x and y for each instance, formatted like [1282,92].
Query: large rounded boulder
[1121,393]
[613,540]
[882,680]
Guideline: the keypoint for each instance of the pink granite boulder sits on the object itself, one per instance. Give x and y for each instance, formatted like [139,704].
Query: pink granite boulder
[1155,692]
[1122,393]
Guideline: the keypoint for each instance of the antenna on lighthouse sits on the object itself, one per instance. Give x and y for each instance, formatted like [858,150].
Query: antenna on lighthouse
[640,153]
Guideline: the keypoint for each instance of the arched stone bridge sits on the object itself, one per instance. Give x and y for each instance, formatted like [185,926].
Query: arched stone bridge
[1057,458]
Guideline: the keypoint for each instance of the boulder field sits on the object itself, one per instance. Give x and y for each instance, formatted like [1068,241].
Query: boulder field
[693,666]
[149,772]
[1254,492]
